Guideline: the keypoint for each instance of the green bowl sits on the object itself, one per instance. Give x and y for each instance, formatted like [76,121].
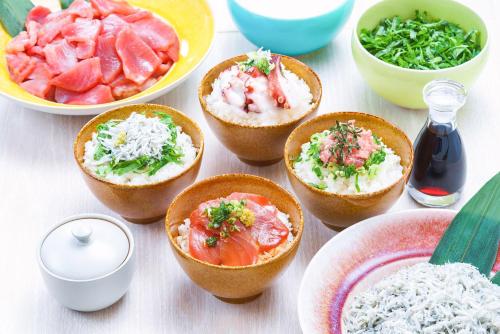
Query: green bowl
[403,86]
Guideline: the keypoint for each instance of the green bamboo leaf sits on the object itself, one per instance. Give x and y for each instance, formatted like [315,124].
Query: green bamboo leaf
[13,15]
[474,234]
[65,3]
[496,278]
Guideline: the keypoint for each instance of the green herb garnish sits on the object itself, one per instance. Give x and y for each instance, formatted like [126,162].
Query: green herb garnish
[211,241]
[229,212]
[421,43]
[346,136]
[259,59]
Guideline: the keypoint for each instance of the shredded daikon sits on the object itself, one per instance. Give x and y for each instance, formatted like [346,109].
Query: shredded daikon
[427,299]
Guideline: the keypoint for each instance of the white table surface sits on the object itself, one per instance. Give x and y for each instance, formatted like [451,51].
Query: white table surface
[40,184]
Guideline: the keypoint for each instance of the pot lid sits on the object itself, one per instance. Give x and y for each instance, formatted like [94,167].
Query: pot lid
[84,248]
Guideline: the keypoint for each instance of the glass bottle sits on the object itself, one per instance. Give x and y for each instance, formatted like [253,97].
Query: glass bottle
[439,167]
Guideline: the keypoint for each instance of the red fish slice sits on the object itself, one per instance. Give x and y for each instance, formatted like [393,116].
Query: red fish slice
[275,89]
[83,76]
[143,14]
[38,87]
[97,95]
[60,56]
[38,14]
[20,66]
[158,35]
[138,59]
[85,50]
[111,65]
[49,31]
[198,247]
[239,249]
[261,200]
[82,30]
[80,8]
[106,7]
[112,24]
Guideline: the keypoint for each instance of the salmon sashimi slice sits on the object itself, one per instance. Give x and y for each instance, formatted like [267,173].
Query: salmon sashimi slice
[38,14]
[239,249]
[60,56]
[111,65]
[20,66]
[159,35]
[261,200]
[85,49]
[106,7]
[81,77]
[198,247]
[97,95]
[82,30]
[198,216]
[37,87]
[112,24]
[275,79]
[138,59]
[80,8]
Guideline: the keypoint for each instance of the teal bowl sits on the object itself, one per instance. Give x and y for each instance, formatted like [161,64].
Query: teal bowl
[290,36]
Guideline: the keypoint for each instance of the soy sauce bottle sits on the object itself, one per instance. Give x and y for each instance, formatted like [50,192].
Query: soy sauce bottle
[439,167]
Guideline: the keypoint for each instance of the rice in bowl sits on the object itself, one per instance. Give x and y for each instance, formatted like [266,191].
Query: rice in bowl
[139,150]
[347,160]
[259,91]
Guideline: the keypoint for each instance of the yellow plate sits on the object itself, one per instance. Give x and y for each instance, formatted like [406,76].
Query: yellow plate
[193,22]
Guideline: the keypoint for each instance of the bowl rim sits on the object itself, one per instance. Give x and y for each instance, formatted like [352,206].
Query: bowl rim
[476,59]
[349,230]
[112,220]
[314,105]
[168,110]
[68,109]
[222,177]
[289,20]
[404,177]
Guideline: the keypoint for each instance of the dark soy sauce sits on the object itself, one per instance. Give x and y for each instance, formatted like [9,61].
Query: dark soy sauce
[439,165]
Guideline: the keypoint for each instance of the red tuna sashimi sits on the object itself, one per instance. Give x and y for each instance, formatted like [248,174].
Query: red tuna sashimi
[112,24]
[159,35]
[35,51]
[80,8]
[49,30]
[111,65]
[85,49]
[41,71]
[83,76]
[19,43]
[82,30]
[97,95]
[267,229]
[106,7]
[138,59]
[275,78]
[20,66]
[38,14]
[38,87]
[239,249]
[162,69]
[123,87]
[198,247]
[142,14]
[60,56]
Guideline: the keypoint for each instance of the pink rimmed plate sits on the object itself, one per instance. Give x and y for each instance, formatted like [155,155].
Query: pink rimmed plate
[362,255]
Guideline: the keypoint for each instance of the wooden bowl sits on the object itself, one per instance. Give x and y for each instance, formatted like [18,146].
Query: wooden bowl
[342,210]
[257,145]
[239,283]
[139,203]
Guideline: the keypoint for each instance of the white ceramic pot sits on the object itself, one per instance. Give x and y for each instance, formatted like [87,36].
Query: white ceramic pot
[87,261]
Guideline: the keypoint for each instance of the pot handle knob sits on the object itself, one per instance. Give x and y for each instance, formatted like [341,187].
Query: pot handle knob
[82,233]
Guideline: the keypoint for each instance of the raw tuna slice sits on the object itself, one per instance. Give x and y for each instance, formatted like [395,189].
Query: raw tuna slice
[49,31]
[38,14]
[267,229]
[162,69]
[98,94]
[19,43]
[111,65]
[41,71]
[261,200]
[82,30]
[20,66]
[35,51]
[138,59]
[112,24]
[142,14]
[80,8]
[83,76]
[106,7]
[275,89]
[198,248]
[159,35]
[37,87]
[85,49]
[60,56]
